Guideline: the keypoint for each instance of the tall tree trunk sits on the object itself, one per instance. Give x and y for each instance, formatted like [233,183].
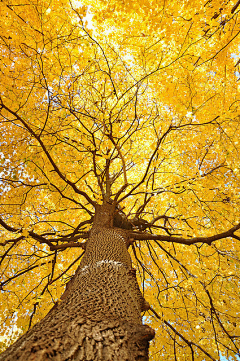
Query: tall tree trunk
[99,314]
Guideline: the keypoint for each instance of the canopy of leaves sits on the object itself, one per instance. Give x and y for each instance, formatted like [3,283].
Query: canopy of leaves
[137,101]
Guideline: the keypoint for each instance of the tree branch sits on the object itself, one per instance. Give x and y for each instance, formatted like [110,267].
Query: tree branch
[189,343]
[70,240]
[68,245]
[188,241]
[235,6]
[55,167]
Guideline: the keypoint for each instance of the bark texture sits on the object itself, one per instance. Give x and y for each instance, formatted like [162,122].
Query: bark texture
[99,314]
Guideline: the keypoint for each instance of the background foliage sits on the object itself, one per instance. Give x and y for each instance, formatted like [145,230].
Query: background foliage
[145,96]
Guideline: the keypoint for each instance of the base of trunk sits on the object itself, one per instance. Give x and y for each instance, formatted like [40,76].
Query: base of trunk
[99,318]
[106,341]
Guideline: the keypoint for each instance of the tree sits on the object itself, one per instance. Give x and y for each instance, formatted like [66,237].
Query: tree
[119,164]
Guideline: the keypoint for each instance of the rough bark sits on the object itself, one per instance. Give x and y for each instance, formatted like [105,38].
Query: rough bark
[99,314]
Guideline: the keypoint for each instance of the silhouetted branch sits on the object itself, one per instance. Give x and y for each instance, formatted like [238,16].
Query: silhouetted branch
[188,241]
[55,167]
[235,6]
[189,343]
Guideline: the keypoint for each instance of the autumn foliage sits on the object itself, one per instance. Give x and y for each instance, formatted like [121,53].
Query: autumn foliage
[136,100]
